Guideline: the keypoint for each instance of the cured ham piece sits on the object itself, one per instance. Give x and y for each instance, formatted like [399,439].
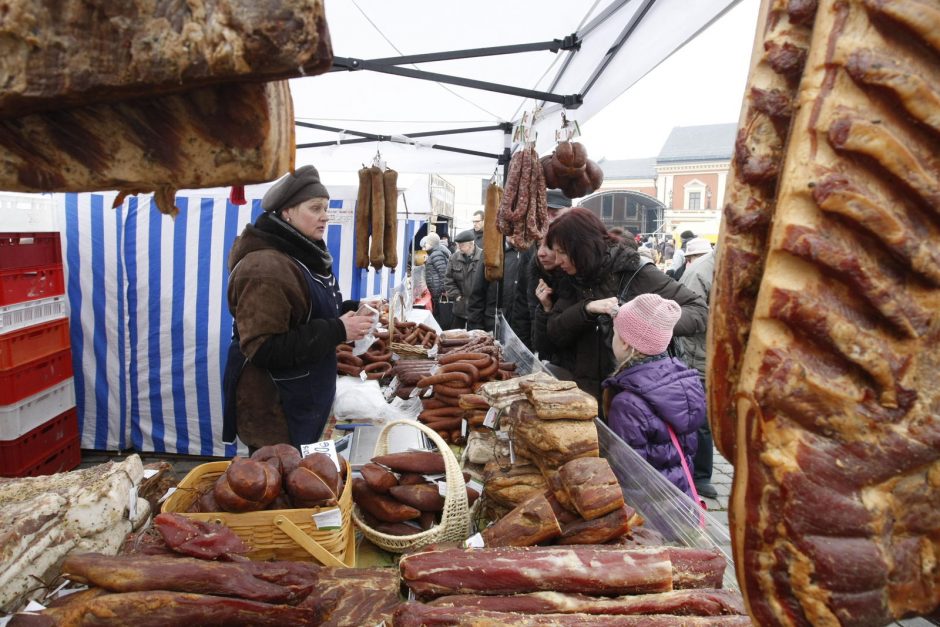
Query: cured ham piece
[592,486]
[508,570]
[598,530]
[197,538]
[835,508]
[129,573]
[159,608]
[531,522]
[68,53]
[420,615]
[678,602]
[353,597]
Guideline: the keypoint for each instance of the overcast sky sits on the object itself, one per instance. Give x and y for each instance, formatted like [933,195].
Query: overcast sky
[702,83]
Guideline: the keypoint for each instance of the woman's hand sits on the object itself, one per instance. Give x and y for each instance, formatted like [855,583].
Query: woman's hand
[544,293]
[357,327]
[607,306]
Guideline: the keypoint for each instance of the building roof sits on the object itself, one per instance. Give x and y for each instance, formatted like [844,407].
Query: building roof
[628,168]
[710,142]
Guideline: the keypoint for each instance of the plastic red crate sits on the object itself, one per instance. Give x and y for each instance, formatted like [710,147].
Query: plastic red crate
[26,250]
[33,342]
[34,376]
[49,448]
[19,285]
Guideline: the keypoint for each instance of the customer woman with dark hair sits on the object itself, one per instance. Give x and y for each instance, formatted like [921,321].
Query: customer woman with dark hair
[602,272]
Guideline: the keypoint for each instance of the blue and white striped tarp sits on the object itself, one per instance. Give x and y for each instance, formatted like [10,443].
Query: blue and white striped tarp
[150,324]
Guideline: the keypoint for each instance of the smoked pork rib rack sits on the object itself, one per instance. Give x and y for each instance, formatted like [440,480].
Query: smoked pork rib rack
[781,43]
[835,509]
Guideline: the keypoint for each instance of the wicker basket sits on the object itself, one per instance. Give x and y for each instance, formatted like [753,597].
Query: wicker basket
[455,519]
[283,534]
[403,350]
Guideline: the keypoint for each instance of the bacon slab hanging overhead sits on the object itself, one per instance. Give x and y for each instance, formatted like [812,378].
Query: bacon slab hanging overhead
[780,49]
[835,509]
[72,52]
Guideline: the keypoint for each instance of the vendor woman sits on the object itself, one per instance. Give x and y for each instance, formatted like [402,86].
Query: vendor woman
[280,376]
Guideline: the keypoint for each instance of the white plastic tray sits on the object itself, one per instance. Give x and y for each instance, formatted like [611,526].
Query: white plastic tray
[21,418]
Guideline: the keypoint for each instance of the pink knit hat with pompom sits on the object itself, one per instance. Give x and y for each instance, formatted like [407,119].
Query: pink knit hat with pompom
[646,323]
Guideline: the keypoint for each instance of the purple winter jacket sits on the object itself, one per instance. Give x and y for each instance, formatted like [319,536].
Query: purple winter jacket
[646,397]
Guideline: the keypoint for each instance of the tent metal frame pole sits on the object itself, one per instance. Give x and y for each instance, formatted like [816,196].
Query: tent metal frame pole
[570,101]
[613,50]
[570,42]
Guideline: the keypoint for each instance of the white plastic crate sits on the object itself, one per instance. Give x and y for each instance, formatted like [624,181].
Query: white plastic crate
[21,418]
[21,315]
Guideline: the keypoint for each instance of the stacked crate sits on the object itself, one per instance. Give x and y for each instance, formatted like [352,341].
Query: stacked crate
[38,419]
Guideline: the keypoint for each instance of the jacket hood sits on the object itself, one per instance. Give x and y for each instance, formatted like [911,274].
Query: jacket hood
[672,390]
[270,232]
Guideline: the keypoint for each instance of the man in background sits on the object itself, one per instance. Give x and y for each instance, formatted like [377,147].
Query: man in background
[478,228]
[461,270]
[699,270]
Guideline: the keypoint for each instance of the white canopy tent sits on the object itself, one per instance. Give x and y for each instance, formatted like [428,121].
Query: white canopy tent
[610,44]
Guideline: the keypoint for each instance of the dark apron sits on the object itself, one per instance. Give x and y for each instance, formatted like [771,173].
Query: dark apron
[306,393]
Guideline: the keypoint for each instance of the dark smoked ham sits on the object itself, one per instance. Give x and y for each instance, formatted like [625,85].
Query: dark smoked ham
[420,615]
[197,538]
[835,509]
[679,602]
[585,569]
[531,522]
[133,573]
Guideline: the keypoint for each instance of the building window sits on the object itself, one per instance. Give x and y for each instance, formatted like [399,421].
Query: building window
[695,200]
[607,207]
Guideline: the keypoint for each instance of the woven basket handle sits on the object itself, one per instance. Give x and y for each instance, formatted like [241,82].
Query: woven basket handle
[451,465]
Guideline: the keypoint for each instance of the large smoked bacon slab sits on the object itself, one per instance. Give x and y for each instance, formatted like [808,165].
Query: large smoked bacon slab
[420,615]
[780,46]
[72,52]
[679,602]
[210,137]
[160,608]
[353,597]
[835,509]
[587,569]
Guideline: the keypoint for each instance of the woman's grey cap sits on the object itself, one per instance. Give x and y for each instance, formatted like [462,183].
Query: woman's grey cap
[293,189]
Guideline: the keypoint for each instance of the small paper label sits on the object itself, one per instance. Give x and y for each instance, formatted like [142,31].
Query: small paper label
[442,488]
[473,484]
[463,427]
[150,472]
[389,392]
[363,376]
[433,371]
[490,420]
[167,494]
[327,447]
[411,594]
[435,478]
[474,542]
[330,519]
[429,392]
[132,503]
[432,352]
[512,453]
[414,392]
[33,606]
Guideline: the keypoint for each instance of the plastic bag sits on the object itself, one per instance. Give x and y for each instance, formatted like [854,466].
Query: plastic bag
[362,400]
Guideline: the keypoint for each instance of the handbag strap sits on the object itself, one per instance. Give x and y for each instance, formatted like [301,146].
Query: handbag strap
[622,289]
[685,465]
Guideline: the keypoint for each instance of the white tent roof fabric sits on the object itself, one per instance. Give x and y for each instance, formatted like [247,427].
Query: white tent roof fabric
[383,104]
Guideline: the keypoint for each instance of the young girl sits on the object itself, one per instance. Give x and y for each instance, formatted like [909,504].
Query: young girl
[651,392]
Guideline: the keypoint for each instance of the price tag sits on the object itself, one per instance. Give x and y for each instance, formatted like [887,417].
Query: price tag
[435,478]
[442,488]
[414,392]
[132,503]
[473,484]
[150,472]
[433,371]
[327,447]
[474,542]
[432,352]
[330,519]
[490,420]
[512,453]
[167,494]
[32,606]
[392,388]
[363,376]
[429,392]
[463,427]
